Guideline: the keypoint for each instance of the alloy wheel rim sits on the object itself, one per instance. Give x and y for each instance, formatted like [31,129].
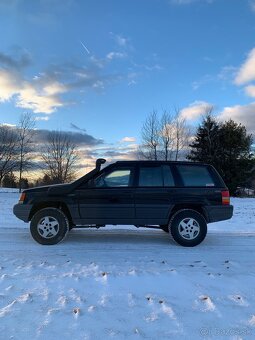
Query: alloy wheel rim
[48,227]
[189,228]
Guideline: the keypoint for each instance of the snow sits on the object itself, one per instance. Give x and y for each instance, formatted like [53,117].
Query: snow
[126,283]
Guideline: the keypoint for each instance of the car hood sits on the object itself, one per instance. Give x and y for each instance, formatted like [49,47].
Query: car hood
[62,189]
[49,188]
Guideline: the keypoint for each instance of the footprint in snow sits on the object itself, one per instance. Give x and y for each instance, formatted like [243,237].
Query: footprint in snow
[172,270]
[25,298]
[239,300]
[149,299]
[211,275]
[132,272]
[76,312]
[207,303]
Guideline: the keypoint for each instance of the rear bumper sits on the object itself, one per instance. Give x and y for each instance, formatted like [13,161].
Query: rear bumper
[22,211]
[218,213]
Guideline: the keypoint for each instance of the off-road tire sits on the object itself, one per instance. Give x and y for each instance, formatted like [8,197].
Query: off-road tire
[187,222]
[52,232]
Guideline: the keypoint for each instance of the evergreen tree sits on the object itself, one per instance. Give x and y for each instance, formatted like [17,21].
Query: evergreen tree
[205,146]
[9,181]
[235,159]
[226,146]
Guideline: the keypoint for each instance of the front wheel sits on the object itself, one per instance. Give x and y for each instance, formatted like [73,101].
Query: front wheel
[49,226]
[188,227]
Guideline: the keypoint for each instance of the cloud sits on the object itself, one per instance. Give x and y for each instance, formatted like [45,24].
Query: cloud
[43,93]
[75,127]
[39,118]
[227,73]
[246,72]
[9,84]
[250,91]
[119,39]
[81,139]
[15,62]
[115,55]
[195,109]
[40,97]
[128,140]
[243,114]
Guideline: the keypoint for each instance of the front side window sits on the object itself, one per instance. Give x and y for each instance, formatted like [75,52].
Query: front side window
[195,176]
[116,178]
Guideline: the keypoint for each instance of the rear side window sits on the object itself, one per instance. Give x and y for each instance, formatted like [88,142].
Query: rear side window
[156,176]
[195,176]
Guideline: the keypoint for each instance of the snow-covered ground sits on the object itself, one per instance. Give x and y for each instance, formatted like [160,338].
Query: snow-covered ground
[127,283]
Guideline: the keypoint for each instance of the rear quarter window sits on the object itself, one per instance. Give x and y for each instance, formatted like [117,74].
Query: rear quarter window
[195,176]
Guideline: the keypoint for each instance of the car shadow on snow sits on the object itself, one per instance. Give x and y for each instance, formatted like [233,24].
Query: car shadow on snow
[127,236]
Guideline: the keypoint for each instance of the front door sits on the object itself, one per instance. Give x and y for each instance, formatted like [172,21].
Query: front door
[110,199]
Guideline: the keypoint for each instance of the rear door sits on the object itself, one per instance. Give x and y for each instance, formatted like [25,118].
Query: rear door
[154,194]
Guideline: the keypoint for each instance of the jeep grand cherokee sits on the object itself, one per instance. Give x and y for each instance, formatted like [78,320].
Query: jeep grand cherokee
[177,197]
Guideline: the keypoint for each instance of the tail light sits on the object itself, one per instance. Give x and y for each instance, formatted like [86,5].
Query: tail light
[225,197]
[22,197]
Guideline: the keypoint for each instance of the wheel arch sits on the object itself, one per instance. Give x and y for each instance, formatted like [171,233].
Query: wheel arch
[51,204]
[197,207]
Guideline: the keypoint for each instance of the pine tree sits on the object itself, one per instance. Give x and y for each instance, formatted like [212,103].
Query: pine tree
[226,146]
[205,146]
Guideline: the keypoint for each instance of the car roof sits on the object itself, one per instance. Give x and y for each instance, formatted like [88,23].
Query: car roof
[157,162]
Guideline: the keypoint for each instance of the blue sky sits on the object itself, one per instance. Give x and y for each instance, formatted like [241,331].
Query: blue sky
[104,65]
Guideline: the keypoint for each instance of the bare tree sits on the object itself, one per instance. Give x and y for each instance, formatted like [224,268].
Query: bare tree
[164,138]
[60,157]
[181,134]
[151,137]
[25,132]
[8,150]
[167,135]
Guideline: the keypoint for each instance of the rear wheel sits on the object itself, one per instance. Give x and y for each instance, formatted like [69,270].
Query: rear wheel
[49,226]
[188,227]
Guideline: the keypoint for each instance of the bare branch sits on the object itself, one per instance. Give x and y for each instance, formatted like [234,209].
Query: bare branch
[60,157]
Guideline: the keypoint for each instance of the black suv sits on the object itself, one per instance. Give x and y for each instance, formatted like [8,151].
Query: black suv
[178,197]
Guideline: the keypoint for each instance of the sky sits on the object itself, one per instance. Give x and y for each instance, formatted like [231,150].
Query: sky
[99,67]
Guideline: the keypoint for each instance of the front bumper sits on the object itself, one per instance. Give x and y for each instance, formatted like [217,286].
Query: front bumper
[22,211]
[218,213]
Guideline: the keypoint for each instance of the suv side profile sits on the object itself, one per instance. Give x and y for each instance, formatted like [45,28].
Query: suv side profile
[178,197]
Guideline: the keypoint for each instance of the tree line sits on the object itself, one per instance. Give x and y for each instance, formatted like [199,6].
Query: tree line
[164,136]
[20,153]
